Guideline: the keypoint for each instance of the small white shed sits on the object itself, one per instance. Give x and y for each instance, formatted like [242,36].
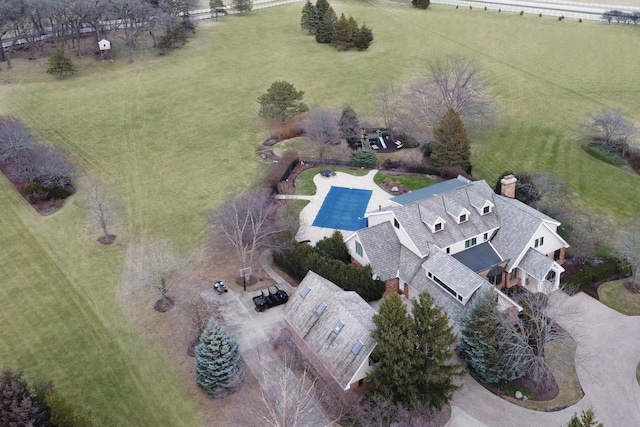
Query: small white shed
[104,44]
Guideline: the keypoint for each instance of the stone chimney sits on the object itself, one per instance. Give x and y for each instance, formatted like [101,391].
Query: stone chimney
[508,186]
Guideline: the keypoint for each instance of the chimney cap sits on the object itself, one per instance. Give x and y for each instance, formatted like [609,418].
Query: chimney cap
[508,179]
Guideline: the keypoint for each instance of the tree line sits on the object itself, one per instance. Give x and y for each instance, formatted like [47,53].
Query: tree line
[166,22]
[621,17]
[321,21]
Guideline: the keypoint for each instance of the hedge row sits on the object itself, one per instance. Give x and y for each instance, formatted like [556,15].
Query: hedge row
[348,277]
[609,269]
[280,171]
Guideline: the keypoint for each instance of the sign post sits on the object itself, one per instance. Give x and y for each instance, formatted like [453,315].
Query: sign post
[245,273]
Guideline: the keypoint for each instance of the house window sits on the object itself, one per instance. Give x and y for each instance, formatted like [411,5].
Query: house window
[486,210]
[305,292]
[321,308]
[551,276]
[539,242]
[460,298]
[448,250]
[513,274]
[470,242]
[438,226]
[359,250]
[338,327]
[495,280]
[486,236]
[463,217]
[356,348]
[396,224]
[556,254]
[445,287]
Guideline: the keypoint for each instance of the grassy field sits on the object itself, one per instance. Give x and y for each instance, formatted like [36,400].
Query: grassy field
[176,135]
[616,296]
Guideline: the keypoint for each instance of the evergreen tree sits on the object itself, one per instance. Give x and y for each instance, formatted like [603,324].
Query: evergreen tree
[363,38]
[477,345]
[60,65]
[420,4]
[413,354]
[434,338]
[325,27]
[342,34]
[322,6]
[334,247]
[18,406]
[451,146]
[392,376]
[242,6]
[349,124]
[364,158]
[310,19]
[217,8]
[586,419]
[281,101]
[219,367]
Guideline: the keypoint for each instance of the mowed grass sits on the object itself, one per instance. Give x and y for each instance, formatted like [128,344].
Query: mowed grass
[616,296]
[174,136]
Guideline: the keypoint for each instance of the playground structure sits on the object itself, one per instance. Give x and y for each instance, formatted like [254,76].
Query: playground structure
[379,140]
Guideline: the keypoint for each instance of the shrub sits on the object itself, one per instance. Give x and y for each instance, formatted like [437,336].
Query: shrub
[32,188]
[281,170]
[334,247]
[604,152]
[364,158]
[609,269]
[303,258]
[449,172]
[633,158]
[57,193]
[427,149]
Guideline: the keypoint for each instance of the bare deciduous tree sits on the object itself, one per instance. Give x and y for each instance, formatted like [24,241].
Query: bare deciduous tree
[389,96]
[249,223]
[526,338]
[586,231]
[321,126]
[628,247]
[611,127]
[14,139]
[46,165]
[101,206]
[156,264]
[453,83]
[286,398]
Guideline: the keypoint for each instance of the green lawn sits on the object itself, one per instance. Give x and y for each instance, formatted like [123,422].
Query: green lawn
[176,135]
[615,295]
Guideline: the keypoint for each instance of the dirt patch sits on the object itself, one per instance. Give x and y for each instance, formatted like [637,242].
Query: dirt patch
[164,305]
[107,240]
[633,288]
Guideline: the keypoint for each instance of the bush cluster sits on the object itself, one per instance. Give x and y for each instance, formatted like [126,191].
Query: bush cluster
[364,158]
[604,152]
[609,269]
[281,170]
[633,158]
[303,258]
[343,33]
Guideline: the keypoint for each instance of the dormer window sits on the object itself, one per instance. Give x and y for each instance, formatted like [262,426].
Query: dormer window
[396,224]
[438,226]
[462,218]
[486,210]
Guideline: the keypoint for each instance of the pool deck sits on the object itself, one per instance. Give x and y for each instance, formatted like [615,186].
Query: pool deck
[379,199]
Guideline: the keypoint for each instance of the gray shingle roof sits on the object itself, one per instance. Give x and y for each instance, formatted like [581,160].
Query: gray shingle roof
[536,264]
[430,191]
[453,273]
[479,257]
[382,248]
[444,206]
[333,350]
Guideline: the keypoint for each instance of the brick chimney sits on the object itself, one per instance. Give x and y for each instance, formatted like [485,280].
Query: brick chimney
[508,186]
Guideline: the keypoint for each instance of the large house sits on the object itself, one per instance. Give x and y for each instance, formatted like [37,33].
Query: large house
[332,327]
[458,236]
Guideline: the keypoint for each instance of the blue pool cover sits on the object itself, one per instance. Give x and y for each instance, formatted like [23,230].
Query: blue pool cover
[343,209]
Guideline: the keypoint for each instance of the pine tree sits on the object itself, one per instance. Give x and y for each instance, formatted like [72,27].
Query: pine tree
[481,341]
[586,419]
[18,406]
[219,367]
[434,338]
[392,376]
[325,27]
[349,124]
[363,38]
[342,34]
[322,6]
[309,20]
[420,4]
[242,6]
[60,65]
[451,146]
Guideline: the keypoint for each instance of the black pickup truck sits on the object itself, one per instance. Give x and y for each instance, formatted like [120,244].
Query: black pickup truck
[270,297]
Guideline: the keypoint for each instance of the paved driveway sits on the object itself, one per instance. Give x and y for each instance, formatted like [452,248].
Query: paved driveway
[606,359]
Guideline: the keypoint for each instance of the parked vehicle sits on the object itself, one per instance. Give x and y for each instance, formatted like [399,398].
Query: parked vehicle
[220,286]
[270,297]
